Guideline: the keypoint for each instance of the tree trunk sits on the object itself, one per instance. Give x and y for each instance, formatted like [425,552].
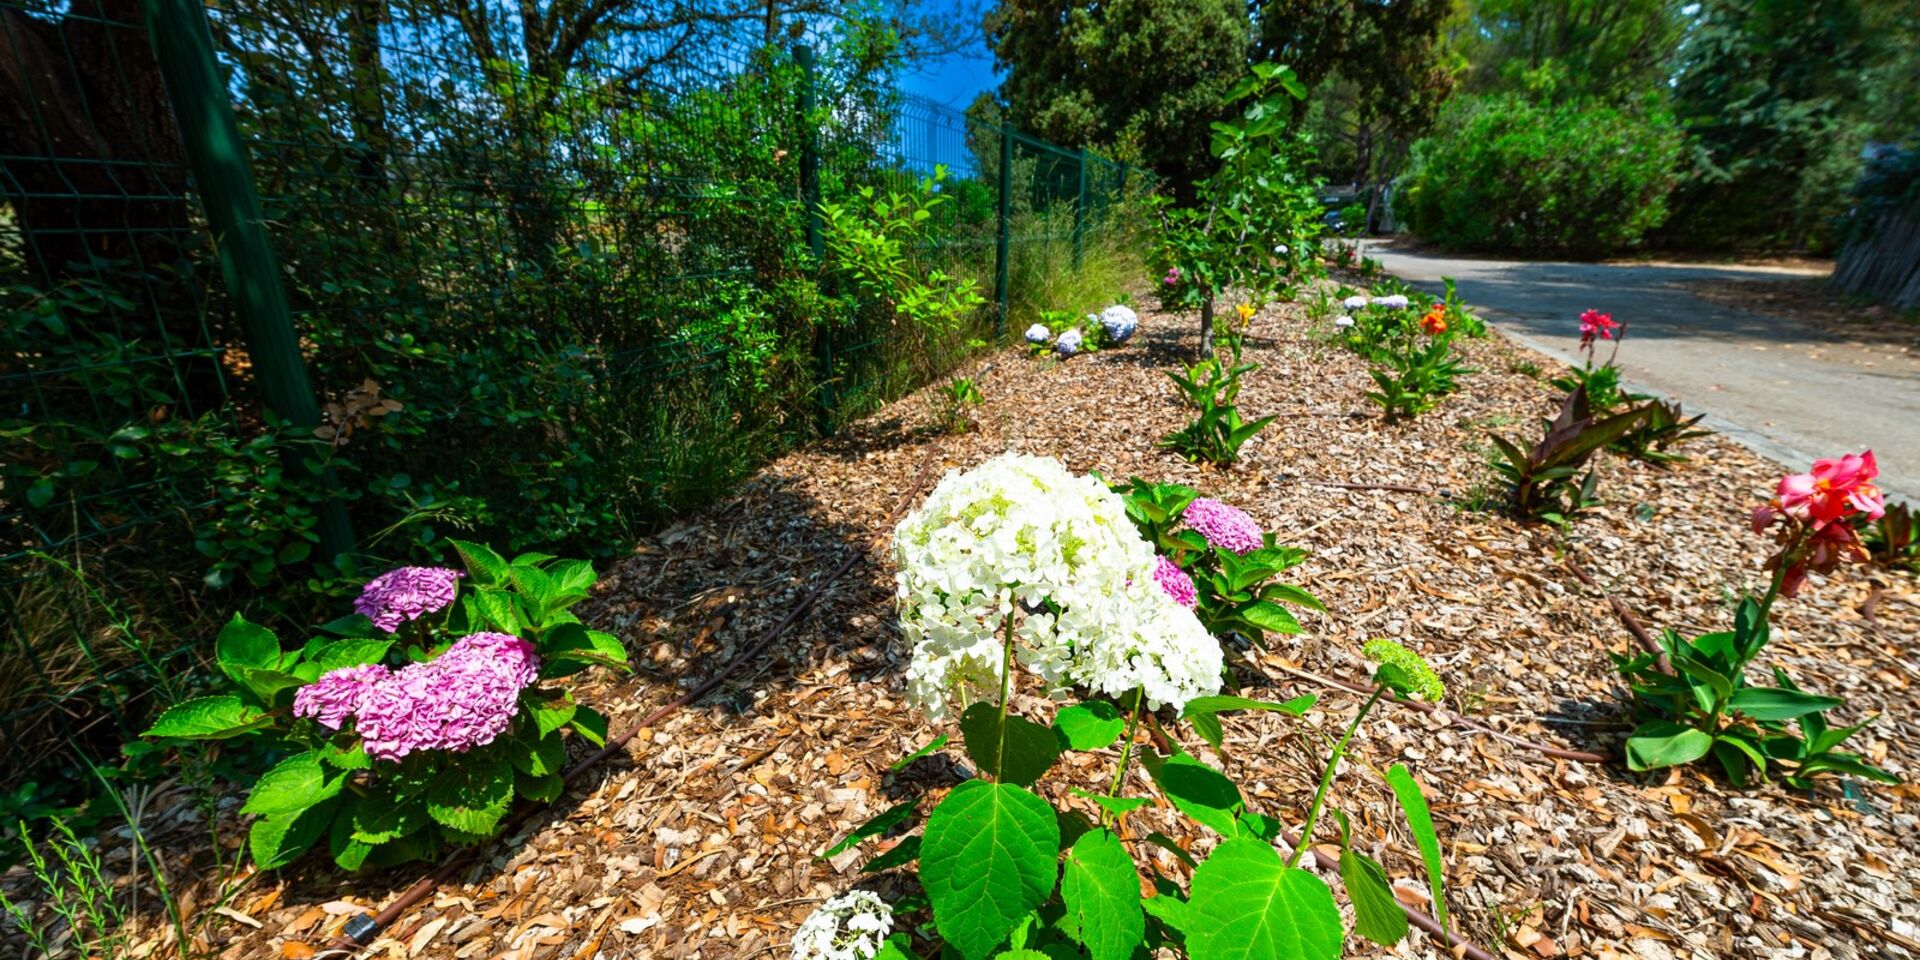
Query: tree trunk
[1206,328]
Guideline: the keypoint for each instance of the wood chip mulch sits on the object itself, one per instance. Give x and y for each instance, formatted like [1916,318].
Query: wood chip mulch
[701,840]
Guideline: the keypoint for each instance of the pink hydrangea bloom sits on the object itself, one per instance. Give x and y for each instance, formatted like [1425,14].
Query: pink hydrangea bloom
[1175,582]
[407,593]
[1832,489]
[338,694]
[1172,277]
[462,699]
[1228,528]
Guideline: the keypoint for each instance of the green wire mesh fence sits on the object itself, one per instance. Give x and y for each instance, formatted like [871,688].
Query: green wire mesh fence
[547,307]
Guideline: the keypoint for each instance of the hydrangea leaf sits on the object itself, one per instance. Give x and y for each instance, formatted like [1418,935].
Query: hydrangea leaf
[1249,905]
[537,757]
[483,564]
[351,652]
[1090,726]
[208,718]
[930,746]
[1376,914]
[904,852]
[987,860]
[1118,806]
[549,713]
[1270,616]
[472,793]
[544,788]
[887,820]
[279,840]
[1101,891]
[378,818]
[243,644]
[1200,792]
[1030,747]
[591,725]
[1414,804]
[1227,702]
[294,784]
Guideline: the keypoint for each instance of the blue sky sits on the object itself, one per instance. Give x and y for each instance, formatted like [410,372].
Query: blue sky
[957,78]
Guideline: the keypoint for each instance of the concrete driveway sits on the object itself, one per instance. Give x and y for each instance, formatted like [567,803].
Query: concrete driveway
[1788,390]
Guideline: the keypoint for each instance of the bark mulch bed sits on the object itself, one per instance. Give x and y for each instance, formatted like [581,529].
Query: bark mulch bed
[700,840]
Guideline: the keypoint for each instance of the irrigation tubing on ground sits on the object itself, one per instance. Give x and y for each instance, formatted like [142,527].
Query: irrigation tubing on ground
[1417,917]
[363,928]
[1632,623]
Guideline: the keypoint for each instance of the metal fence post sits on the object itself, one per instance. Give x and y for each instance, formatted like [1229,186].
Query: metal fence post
[1080,209]
[183,48]
[816,231]
[1006,228]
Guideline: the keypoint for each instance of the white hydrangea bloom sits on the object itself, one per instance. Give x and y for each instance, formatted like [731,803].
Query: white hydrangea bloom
[1280,249]
[1395,302]
[1353,303]
[1343,321]
[1023,531]
[1038,333]
[1120,322]
[1068,344]
[849,927]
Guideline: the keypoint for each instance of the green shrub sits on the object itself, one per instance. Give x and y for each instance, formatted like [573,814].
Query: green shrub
[1504,173]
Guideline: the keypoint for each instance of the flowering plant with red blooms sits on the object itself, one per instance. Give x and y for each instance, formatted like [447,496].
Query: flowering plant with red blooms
[1813,512]
[1594,324]
[1435,322]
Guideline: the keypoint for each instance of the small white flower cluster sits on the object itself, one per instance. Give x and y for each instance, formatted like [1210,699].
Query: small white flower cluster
[1343,321]
[849,927]
[1023,531]
[1395,302]
[1119,321]
[1353,303]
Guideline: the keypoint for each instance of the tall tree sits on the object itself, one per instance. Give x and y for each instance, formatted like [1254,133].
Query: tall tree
[1615,50]
[1142,78]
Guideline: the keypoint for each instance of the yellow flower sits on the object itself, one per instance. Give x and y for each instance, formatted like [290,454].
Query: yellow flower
[1245,310]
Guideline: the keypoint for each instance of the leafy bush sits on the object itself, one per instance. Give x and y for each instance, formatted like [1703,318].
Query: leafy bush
[1008,873]
[1665,426]
[874,242]
[1540,481]
[1503,173]
[1703,705]
[1217,432]
[957,400]
[388,797]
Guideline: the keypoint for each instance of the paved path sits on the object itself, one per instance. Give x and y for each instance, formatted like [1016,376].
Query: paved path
[1790,391]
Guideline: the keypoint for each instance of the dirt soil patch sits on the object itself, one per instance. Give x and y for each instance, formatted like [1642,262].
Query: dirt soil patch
[700,841]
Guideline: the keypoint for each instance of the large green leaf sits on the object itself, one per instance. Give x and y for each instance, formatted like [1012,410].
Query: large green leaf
[473,792]
[1225,702]
[1249,905]
[1030,747]
[483,564]
[1666,744]
[880,824]
[294,784]
[243,644]
[550,712]
[987,860]
[1091,725]
[1376,914]
[208,718]
[351,652]
[1271,616]
[1772,703]
[279,840]
[1200,792]
[1413,803]
[379,817]
[1101,891]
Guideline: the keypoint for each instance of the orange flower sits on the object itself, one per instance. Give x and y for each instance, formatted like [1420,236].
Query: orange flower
[1435,322]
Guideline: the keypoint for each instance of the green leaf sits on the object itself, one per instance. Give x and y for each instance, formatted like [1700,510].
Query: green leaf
[1666,744]
[1376,914]
[904,852]
[1770,703]
[1420,821]
[1226,703]
[1200,792]
[590,724]
[544,788]
[987,860]
[1030,747]
[352,625]
[483,565]
[294,784]
[1207,725]
[887,820]
[280,840]
[208,718]
[548,713]
[930,746]
[351,652]
[1118,806]
[242,645]
[473,792]
[1270,616]
[378,817]
[1091,725]
[1101,891]
[537,756]
[1248,905]
[266,684]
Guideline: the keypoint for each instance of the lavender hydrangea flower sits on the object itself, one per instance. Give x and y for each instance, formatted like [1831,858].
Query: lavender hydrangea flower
[1038,333]
[462,699]
[1119,321]
[1068,344]
[1228,528]
[1395,302]
[338,694]
[1343,321]
[407,593]
[1175,582]
[1353,303]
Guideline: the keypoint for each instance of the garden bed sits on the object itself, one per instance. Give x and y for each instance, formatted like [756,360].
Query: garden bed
[701,840]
